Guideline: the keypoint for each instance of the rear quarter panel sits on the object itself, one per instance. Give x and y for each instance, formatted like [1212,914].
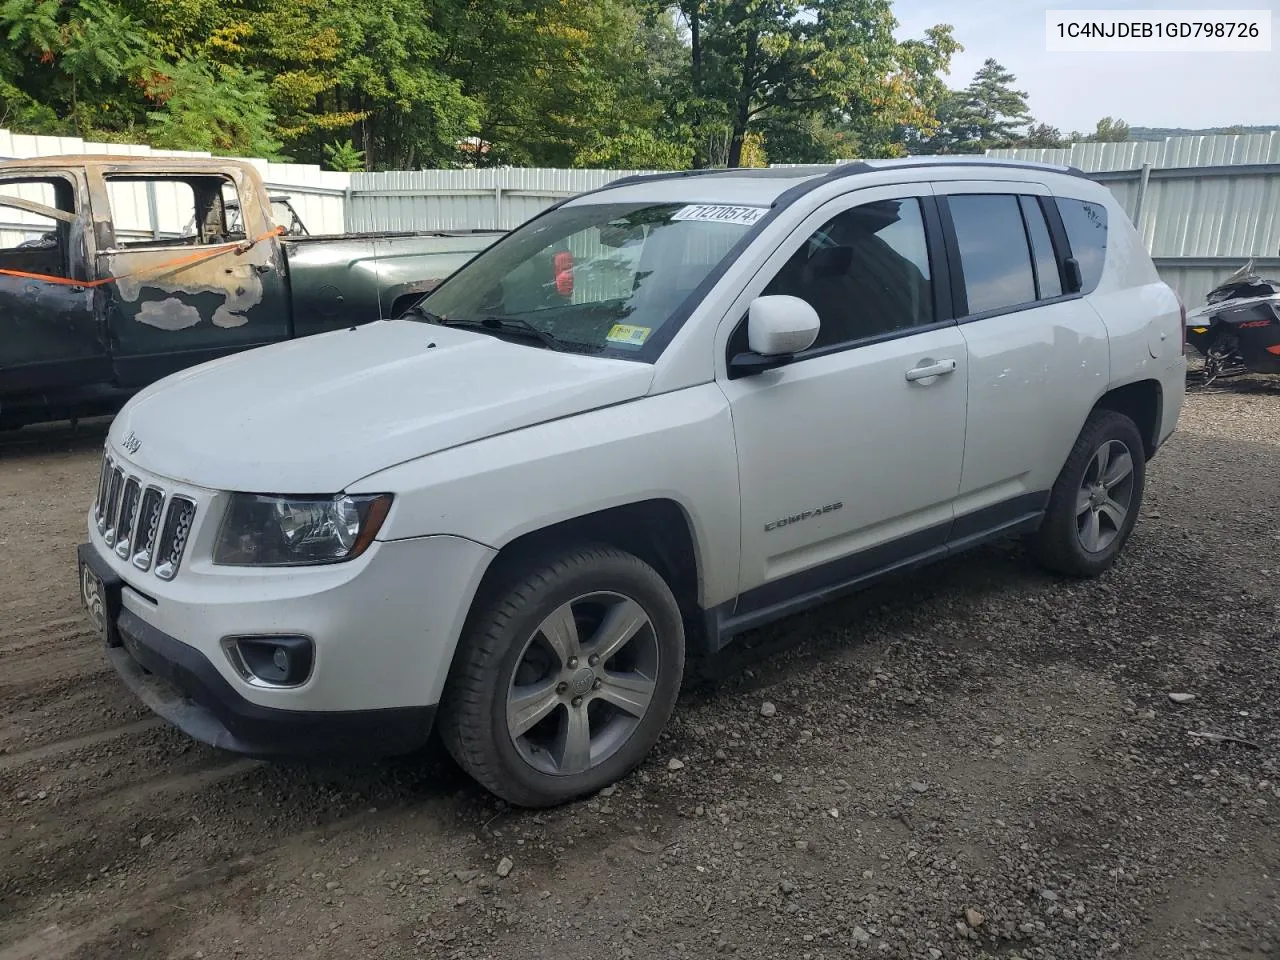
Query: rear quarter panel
[1141,312]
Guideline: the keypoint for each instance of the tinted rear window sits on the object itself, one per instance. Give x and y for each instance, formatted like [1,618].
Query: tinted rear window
[1086,225]
[1042,249]
[994,254]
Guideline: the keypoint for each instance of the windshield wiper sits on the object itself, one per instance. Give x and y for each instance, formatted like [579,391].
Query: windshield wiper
[504,324]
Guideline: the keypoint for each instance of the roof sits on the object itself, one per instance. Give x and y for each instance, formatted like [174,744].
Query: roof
[752,185]
[149,161]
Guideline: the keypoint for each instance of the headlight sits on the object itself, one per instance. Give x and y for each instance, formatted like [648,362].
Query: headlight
[289,531]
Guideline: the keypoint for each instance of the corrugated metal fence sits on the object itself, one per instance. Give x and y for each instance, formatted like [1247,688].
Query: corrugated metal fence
[1204,205]
[483,199]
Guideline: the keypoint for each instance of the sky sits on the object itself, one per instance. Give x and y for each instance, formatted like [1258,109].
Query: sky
[1072,91]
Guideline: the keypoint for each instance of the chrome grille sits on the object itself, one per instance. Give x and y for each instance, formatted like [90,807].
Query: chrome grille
[114,484]
[148,526]
[173,541]
[100,501]
[128,512]
[139,520]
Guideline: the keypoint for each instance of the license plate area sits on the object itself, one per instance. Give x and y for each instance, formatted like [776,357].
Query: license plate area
[101,600]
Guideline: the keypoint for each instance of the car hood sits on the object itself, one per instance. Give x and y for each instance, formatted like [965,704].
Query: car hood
[316,414]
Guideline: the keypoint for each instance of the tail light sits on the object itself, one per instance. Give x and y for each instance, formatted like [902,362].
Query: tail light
[564,273]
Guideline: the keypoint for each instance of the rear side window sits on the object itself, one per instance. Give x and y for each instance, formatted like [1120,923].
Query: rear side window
[1048,280]
[994,255]
[1086,225]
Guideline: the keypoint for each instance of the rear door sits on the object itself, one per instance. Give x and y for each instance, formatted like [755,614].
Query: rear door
[49,336]
[183,293]
[1037,356]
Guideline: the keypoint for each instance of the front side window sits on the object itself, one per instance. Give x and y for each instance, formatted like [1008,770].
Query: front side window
[865,271]
[601,278]
[994,255]
[35,217]
[1086,225]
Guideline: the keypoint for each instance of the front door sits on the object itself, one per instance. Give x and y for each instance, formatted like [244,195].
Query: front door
[49,337]
[850,457]
[171,307]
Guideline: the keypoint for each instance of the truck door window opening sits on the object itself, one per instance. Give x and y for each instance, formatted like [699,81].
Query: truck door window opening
[32,241]
[194,212]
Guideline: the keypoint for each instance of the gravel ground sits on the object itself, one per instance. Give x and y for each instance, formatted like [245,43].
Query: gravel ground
[980,761]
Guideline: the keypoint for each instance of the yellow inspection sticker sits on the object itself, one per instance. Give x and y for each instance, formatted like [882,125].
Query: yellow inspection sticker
[624,333]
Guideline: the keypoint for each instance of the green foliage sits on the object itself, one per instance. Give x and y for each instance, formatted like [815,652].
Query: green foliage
[1110,131]
[215,107]
[379,84]
[818,77]
[344,157]
[1043,136]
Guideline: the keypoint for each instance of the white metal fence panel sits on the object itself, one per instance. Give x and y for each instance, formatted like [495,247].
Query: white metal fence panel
[1210,151]
[480,199]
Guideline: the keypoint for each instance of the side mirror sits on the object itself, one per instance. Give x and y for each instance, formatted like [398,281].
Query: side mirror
[778,327]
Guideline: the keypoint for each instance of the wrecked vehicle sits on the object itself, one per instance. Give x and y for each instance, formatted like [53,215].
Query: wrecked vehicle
[118,271]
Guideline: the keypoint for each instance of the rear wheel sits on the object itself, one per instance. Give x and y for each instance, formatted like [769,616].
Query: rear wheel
[1096,498]
[565,677]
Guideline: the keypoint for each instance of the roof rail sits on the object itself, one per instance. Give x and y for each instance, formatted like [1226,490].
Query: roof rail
[664,175]
[839,171]
[953,160]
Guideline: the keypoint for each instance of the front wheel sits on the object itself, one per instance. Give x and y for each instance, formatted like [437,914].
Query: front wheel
[1096,498]
[565,678]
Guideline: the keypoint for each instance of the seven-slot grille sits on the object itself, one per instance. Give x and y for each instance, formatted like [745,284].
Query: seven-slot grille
[140,521]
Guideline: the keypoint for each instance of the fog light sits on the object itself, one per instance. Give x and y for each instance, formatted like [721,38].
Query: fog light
[271,661]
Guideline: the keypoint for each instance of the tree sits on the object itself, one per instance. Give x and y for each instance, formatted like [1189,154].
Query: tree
[985,114]
[1109,131]
[770,65]
[218,108]
[87,44]
[1043,136]
[344,157]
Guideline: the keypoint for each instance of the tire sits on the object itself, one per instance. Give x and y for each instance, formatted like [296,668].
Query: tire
[507,658]
[1065,542]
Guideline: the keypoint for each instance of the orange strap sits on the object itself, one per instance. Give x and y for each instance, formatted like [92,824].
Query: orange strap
[239,246]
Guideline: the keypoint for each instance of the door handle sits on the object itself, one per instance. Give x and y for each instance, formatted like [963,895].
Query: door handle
[930,369]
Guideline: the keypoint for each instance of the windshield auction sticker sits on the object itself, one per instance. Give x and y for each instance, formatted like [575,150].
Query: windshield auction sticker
[1157,31]
[720,213]
[624,333]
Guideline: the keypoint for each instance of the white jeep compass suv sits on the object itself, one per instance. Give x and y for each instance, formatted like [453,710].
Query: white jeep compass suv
[652,417]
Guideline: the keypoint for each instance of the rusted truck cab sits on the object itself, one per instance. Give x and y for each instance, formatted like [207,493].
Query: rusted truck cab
[117,271]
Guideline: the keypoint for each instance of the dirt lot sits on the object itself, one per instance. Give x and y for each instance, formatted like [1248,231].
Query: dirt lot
[980,761]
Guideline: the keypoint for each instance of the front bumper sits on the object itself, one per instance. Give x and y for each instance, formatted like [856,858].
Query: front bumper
[180,684]
[384,635]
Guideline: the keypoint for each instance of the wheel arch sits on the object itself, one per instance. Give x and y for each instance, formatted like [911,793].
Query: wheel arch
[1142,401]
[658,530]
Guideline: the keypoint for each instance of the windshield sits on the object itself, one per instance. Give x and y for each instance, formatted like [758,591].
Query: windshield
[599,278]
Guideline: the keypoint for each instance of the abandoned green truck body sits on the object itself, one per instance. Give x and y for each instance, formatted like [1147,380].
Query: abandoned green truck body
[103,309]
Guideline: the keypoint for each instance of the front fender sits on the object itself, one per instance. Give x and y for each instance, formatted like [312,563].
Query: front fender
[677,446]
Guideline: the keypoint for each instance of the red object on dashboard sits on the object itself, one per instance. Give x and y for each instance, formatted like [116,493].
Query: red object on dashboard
[564,273]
